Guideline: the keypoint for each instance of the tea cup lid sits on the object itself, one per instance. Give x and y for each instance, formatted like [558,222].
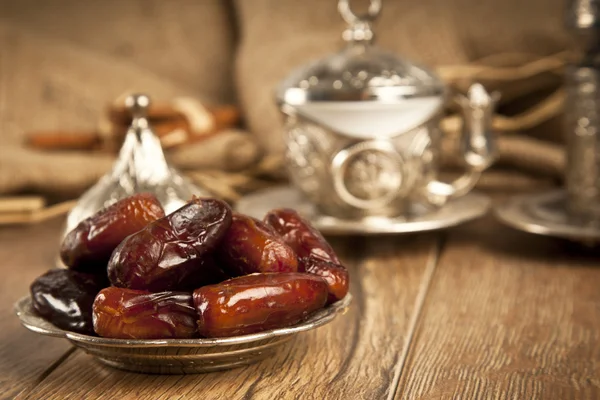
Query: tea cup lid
[360,71]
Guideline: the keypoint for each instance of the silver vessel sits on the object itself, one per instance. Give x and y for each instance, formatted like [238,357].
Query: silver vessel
[362,129]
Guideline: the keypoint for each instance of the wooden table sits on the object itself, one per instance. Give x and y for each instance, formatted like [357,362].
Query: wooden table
[479,311]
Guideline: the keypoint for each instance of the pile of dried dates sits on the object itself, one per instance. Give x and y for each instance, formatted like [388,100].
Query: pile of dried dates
[201,271]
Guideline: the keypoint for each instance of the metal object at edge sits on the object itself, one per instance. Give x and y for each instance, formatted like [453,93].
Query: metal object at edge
[547,214]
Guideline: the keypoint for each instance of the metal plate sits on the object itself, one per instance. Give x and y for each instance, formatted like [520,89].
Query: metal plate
[180,356]
[546,214]
[420,219]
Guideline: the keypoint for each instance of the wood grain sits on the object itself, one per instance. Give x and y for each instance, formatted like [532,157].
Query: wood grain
[25,357]
[355,357]
[508,316]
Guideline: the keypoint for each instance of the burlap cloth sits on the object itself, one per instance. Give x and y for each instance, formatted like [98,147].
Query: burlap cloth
[62,62]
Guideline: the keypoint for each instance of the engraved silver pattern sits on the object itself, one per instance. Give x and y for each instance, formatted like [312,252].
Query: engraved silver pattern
[362,95]
[305,155]
[368,174]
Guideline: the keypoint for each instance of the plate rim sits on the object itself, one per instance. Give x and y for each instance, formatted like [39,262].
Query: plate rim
[407,227]
[528,223]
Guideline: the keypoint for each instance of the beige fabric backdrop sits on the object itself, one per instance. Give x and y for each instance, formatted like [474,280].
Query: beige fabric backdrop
[62,62]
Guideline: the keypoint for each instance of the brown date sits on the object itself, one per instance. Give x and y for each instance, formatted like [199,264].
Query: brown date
[136,314]
[65,297]
[300,235]
[167,252]
[334,274]
[250,246]
[210,274]
[88,247]
[257,302]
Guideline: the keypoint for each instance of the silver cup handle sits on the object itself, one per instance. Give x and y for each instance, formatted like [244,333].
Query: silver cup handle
[477,145]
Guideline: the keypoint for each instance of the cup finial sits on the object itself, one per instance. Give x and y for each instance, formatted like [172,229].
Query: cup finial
[138,105]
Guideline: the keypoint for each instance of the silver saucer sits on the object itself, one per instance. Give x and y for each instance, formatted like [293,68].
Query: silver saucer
[181,356]
[420,219]
[546,214]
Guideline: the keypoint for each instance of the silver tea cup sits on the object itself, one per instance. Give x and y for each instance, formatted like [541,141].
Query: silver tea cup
[362,129]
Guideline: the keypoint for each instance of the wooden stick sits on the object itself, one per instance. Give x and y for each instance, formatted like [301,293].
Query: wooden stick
[36,216]
[21,204]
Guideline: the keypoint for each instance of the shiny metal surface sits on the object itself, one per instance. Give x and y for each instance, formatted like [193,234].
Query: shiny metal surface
[351,18]
[368,175]
[582,14]
[360,71]
[382,176]
[582,110]
[477,145]
[546,214]
[418,219]
[140,167]
[362,129]
[180,356]
[582,116]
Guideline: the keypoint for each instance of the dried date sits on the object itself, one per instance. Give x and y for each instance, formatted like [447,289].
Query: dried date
[89,246]
[167,253]
[210,274]
[300,235]
[136,314]
[250,246]
[65,297]
[335,275]
[257,302]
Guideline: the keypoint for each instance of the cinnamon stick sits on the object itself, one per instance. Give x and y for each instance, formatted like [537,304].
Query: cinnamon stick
[59,140]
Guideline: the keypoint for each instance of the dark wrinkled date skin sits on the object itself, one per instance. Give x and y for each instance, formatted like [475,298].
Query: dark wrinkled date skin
[166,253]
[258,302]
[64,298]
[335,275]
[300,235]
[250,246]
[89,246]
[210,274]
[136,314]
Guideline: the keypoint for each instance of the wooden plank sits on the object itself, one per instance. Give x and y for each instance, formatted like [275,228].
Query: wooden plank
[509,315]
[355,357]
[25,357]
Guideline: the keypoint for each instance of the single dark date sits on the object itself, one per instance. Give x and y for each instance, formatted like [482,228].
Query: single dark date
[167,253]
[258,302]
[300,235]
[136,314]
[250,246]
[65,297]
[89,246]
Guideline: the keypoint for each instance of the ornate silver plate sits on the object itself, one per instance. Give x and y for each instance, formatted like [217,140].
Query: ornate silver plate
[180,356]
[546,214]
[419,219]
